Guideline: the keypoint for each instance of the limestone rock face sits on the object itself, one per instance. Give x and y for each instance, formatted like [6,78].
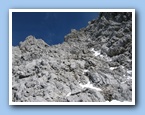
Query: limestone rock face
[93,64]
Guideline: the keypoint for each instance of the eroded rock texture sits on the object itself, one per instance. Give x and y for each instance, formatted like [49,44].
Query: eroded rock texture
[93,64]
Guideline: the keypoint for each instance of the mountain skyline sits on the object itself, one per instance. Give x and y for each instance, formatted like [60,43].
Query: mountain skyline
[49,26]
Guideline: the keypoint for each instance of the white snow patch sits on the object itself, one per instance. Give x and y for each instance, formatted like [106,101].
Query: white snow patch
[112,68]
[68,94]
[129,60]
[105,57]
[89,85]
[129,72]
[85,70]
[96,53]
[128,76]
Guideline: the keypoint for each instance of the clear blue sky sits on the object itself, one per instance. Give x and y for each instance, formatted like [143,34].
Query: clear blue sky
[51,27]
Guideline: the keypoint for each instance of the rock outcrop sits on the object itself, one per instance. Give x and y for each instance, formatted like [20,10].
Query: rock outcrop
[93,64]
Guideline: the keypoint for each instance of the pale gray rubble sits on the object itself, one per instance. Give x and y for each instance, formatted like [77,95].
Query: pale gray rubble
[93,64]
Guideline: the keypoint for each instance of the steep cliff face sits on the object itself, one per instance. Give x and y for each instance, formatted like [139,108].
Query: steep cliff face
[93,64]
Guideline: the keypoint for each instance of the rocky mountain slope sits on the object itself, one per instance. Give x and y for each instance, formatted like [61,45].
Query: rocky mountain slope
[93,64]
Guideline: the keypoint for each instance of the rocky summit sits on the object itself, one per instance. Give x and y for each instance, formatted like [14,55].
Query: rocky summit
[93,64]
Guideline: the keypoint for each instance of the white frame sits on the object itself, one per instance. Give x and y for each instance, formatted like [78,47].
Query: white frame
[71,10]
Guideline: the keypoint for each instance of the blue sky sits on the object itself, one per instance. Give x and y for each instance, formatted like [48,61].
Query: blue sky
[49,26]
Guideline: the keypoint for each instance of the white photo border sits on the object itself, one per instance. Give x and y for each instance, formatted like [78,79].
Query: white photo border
[71,10]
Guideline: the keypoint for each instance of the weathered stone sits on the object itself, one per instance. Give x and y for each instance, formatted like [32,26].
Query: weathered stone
[72,71]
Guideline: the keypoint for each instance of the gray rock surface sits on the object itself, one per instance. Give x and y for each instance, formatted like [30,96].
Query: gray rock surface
[93,64]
